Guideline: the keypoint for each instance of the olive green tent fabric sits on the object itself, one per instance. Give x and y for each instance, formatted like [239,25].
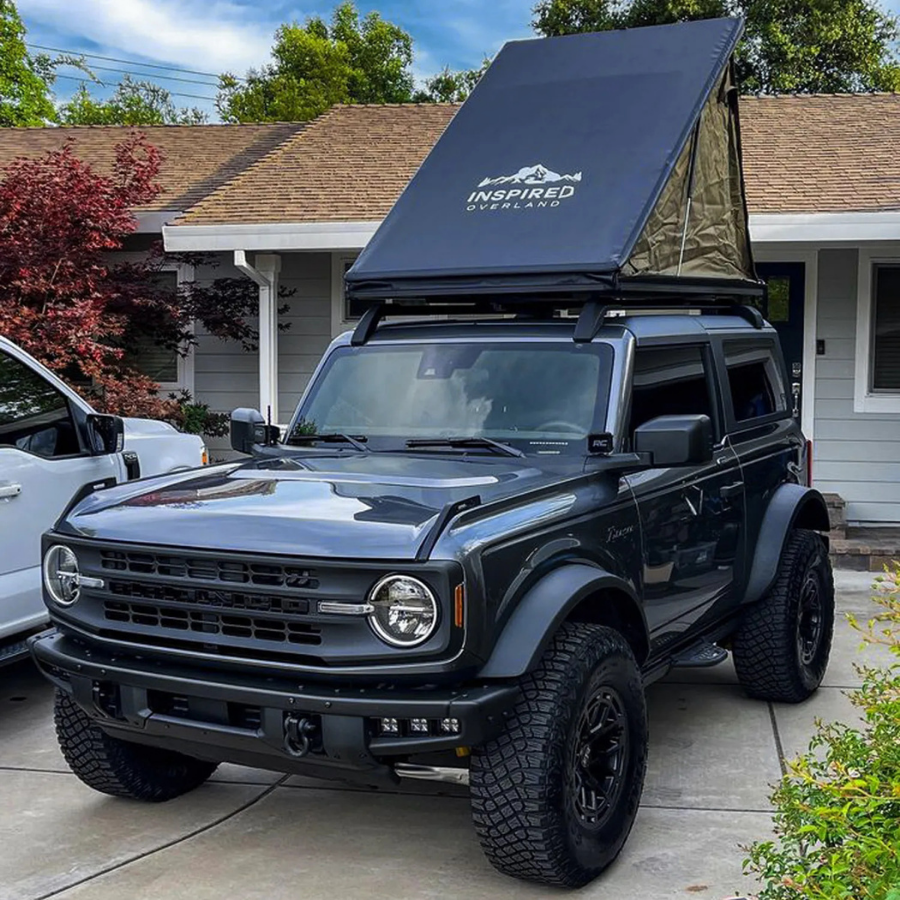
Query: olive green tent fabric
[699,225]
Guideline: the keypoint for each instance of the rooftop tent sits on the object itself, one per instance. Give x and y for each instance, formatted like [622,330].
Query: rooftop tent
[592,164]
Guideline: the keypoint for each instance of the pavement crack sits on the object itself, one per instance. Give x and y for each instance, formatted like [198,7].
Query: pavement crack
[166,846]
[779,747]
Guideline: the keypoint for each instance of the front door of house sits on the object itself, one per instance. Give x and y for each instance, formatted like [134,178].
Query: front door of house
[784,309]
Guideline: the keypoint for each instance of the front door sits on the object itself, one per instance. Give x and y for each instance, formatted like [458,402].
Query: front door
[784,309]
[41,466]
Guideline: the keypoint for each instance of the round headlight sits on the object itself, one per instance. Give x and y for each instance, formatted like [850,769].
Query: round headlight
[61,575]
[404,612]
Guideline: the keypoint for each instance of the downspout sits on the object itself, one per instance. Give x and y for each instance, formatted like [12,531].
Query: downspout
[265,275]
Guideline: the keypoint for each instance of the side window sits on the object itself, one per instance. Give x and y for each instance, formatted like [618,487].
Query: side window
[669,381]
[34,415]
[754,378]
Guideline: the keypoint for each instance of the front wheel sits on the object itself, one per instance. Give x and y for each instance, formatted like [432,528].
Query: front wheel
[782,647]
[118,767]
[555,796]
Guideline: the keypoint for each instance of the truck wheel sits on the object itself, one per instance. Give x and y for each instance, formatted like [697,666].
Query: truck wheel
[118,767]
[782,646]
[555,796]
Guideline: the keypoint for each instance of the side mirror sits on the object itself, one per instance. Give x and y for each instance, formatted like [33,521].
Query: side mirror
[105,434]
[248,428]
[673,441]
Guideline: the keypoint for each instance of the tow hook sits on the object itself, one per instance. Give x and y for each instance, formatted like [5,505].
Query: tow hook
[296,735]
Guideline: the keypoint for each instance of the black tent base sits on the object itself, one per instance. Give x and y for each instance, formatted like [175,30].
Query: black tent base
[591,317]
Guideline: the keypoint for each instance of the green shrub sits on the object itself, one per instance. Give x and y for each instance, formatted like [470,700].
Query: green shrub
[198,418]
[837,809]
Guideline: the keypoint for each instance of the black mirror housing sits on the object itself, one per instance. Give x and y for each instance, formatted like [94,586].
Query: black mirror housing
[248,428]
[675,440]
[105,434]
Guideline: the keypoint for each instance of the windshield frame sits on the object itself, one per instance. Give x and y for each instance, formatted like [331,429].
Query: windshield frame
[605,351]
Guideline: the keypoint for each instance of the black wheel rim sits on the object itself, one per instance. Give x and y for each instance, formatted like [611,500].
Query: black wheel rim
[599,757]
[810,620]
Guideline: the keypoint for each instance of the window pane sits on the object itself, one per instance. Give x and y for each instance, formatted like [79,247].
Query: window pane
[158,363]
[34,415]
[669,382]
[779,300]
[756,385]
[886,329]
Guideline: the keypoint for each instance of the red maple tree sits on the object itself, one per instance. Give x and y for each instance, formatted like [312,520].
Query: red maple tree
[66,299]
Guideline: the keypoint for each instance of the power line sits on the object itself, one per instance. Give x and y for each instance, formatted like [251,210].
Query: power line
[171,93]
[117,59]
[153,74]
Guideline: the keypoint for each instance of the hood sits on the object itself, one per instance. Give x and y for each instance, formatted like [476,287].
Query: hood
[377,506]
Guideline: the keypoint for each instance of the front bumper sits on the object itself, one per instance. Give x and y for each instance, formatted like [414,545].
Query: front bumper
[254,721]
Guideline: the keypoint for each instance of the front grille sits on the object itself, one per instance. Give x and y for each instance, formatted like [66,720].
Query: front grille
[229,571]
[210,597]
[212,623]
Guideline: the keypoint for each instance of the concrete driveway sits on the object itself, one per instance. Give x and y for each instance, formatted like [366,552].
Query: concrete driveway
[252,834]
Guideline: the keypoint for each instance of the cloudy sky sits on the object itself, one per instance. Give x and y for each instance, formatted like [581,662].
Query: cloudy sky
[218,35]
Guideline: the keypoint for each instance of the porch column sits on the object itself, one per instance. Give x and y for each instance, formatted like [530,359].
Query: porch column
[269,266]
[265,273]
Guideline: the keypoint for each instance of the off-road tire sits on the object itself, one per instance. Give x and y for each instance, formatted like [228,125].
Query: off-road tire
[522,784]
[117,767]
[768,649]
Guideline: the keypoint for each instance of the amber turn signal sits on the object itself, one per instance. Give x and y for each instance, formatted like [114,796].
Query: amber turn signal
[459,600]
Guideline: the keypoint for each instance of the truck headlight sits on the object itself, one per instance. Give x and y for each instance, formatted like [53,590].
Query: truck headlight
[61,577]
[404,612]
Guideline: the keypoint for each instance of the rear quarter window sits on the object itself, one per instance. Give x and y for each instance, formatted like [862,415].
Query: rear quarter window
[755,381]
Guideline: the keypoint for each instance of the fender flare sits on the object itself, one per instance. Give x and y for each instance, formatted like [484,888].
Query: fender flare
[792,506]
[543,609]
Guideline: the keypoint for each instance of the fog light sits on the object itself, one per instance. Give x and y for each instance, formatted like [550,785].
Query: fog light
[450,726]
[390,726]
[418,726]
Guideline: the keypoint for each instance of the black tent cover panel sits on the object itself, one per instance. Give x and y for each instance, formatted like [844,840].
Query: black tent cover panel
[547,176]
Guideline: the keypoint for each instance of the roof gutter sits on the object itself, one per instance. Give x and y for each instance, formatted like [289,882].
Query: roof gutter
[824,228]
[270,237]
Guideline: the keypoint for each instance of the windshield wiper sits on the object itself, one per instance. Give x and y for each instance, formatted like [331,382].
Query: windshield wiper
[358,442]
[463,442]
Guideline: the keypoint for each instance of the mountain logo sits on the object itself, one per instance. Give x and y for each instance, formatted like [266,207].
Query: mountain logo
[532,187]
[538,174]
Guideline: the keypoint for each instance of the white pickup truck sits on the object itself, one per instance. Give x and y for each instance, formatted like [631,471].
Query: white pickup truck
[53,446]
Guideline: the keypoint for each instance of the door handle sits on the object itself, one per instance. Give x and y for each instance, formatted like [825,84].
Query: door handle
[731,490]
[8,491]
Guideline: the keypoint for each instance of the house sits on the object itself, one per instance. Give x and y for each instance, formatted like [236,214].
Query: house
[823,187]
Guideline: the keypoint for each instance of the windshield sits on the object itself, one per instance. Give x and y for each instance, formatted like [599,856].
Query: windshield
[539,397]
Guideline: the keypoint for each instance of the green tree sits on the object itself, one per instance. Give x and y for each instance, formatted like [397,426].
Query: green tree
[790,46]
[133,103]
[352,60]
[451,87]
[25,97]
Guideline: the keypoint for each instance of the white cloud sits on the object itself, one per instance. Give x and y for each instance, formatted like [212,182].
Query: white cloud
[209,36]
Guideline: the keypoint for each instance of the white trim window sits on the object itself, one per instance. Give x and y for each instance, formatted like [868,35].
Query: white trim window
[877,381]
[341,319]
[173,371]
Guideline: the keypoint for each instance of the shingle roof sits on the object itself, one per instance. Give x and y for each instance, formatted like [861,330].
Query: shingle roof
[822,152]
[196,159]
[349,165]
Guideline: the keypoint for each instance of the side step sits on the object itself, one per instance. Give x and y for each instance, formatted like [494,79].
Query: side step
[13,652]
[700,656]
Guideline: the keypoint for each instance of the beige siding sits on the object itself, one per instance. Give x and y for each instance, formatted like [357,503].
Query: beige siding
[857,454]
[226,377]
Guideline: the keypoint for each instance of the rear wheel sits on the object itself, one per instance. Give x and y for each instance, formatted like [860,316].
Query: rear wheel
[555,796]
[120,768]
[782,647]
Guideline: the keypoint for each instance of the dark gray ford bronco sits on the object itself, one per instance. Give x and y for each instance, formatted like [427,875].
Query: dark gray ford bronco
[481,536]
